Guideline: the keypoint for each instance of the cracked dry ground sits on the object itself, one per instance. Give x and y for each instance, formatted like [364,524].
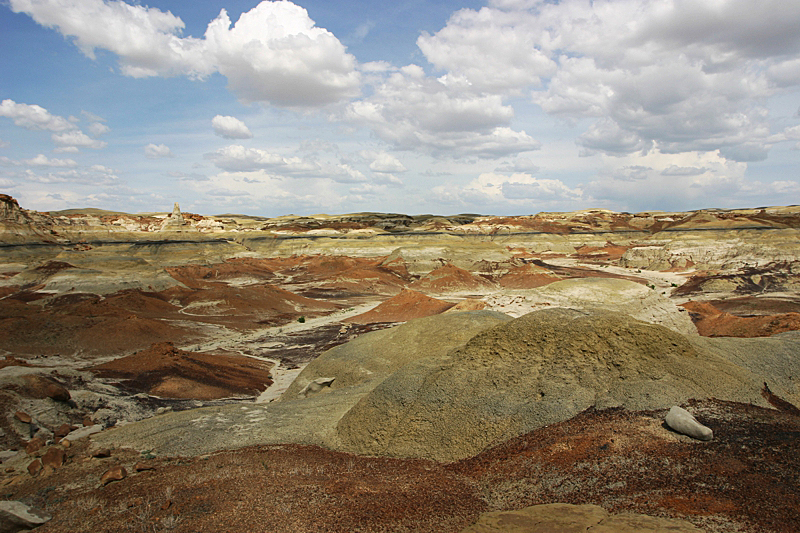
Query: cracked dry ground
[746,480]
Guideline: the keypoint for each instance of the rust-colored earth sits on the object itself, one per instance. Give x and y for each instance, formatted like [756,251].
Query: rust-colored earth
[527,277]
[450,278]
[165,371]
[86,324]
[711,322]
[407,305]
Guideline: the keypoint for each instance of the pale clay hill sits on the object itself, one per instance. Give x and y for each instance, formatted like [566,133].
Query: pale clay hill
[186,336]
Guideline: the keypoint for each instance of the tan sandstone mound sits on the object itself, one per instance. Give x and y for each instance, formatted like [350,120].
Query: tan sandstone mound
[405,306]
[567,518]
[163,370]
[470,304]
[712,322]
[634,299]
[376,355]
[542,368]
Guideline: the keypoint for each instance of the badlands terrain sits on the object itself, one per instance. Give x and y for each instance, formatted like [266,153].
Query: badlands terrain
[380,372]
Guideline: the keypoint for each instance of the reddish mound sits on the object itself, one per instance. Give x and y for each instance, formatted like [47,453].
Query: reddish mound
[711,322]
[143,303]
[522,253]
[53,267]
[527,277]
[198,276]
[132,319]
[366,280]
[358,274]
[349,274]
[258,303]
[166,371]
[448,278]
[6,291]
[405,306]
[756,305]
[88,325]
[609,252]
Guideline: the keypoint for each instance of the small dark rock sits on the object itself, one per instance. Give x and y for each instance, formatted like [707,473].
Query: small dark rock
[34,445]
[141,467]
[62,431]
[35,467]
[115,473]
[54,457]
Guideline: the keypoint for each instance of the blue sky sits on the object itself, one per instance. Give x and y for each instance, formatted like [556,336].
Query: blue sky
[504,107]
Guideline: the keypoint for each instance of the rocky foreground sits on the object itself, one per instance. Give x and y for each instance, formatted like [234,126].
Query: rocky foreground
[378,372]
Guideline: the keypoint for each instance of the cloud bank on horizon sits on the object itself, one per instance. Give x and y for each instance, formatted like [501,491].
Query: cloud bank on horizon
[516,106]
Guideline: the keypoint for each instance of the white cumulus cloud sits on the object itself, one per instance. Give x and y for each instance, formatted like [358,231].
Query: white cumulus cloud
[42,161]
[33,117]
[673,74]
[441,116]
[230,127]
[383,162]
[157,151]
[147,40]
[273,53]
[98,128]
[71,141]
[473,41]
[237,158]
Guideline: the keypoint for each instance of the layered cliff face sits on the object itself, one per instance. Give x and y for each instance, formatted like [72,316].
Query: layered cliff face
[9,210]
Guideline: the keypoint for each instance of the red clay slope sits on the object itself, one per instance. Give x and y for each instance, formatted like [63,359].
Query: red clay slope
[711,322]
[163,370]
[450,278]
[405,306]
[527,277]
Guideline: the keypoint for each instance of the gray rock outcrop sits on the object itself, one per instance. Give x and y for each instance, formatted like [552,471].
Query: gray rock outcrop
[16,516]
[174,220]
